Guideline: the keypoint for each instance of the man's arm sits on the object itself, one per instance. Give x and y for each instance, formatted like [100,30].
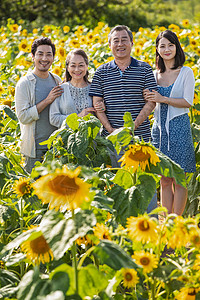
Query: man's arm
[54,93]
[145,112]
[102,116]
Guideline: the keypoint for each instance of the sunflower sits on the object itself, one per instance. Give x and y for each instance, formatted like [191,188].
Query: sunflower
[22,186]
[194,237]
[62,189]
[196,265]
[14,27]
[187,293]
[145,259]
[142,229]
[139,155]
[61,53]
[102,232]
[130,278]
[84,240]
[23,46]
[37,250]
[74,43]
[66,29]
[7,102]
[2,90]
[138,50]
[57,70]
[35,31]
[178,236]
[47,29]
[185,23]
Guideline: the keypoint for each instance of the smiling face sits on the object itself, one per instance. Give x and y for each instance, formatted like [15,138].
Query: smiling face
[166,49]
[120,44]
[77,67]
[43,60]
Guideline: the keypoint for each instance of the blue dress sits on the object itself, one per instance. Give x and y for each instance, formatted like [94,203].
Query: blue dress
[181,149]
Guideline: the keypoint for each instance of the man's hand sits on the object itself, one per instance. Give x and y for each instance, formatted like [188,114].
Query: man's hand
[55,92]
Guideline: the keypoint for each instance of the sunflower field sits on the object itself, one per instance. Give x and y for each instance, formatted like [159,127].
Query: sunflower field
[76,228]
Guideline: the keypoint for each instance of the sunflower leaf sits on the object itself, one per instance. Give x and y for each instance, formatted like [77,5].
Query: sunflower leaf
[168,168]
[112,255]
[61,233]
[92,281]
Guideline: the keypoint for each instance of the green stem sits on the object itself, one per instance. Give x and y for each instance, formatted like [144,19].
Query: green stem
[22,266]
[84,256]
[75,261]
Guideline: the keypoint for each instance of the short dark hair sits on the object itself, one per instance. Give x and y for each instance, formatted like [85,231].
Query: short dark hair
[69,55]
[42,41]
[179,57]
[120,28]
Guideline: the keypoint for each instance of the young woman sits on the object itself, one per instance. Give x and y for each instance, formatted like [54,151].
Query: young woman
[75,97]
[171,131]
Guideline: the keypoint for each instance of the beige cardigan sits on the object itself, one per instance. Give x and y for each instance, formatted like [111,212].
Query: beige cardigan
[27,112]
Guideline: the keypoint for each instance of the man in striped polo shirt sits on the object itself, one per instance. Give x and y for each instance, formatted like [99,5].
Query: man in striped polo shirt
[120,84]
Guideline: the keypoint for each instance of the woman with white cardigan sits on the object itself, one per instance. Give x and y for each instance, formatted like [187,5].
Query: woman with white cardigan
[75,97]
[171,131]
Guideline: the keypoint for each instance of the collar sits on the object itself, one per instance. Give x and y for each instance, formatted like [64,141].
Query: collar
[132,64]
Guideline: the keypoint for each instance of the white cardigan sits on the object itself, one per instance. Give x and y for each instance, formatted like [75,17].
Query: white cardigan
[62,107]
[183,88]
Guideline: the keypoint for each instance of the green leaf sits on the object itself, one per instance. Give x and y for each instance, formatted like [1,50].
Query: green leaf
[91,281]
[8,277]
[135,200]
[77,145]
[102,201]
[61,233]
[123,178]
[195,132]
[128,121]
[10,113]
[69,285]
[120,137]
[72,121]
[31,286]
[168,168]
[112,255]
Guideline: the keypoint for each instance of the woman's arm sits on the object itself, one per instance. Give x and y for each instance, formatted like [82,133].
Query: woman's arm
[154,96]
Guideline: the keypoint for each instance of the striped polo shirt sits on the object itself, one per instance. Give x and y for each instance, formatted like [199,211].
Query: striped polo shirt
[122,92]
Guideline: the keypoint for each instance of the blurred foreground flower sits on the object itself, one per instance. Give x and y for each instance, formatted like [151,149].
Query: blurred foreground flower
[37,250]
[145,259]
[142,229]
[139,156]
[130,278]
[187,293]
[22,186]
[62,189]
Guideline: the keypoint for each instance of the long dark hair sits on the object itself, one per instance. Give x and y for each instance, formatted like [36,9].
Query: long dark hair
[179,57]
[82,53]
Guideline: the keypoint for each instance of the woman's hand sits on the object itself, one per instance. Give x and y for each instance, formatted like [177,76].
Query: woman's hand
[153,96]
[86,111]
[99,106]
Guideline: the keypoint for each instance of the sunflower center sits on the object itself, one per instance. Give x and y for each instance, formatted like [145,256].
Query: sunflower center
[64,185]
[144,225]
[145,261]
[23,188]
[139,156]
[39,245]
[191,292]
[196,239]
[24,46]
[128,276]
